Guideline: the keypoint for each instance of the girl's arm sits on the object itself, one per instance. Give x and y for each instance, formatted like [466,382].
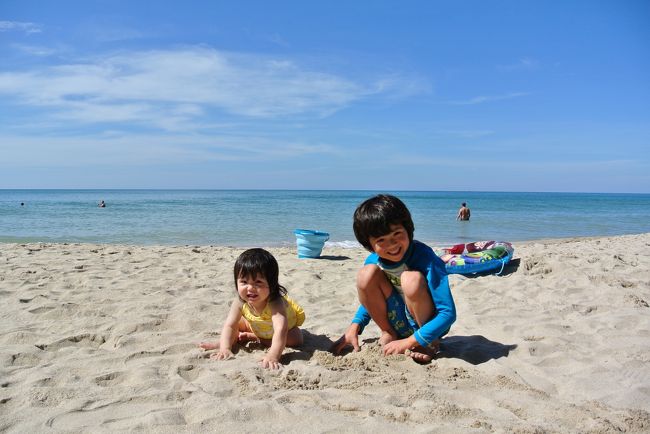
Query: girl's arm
[230,330]
[279,340]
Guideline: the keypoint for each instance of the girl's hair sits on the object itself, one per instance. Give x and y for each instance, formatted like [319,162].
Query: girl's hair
[375,215]
[259,262]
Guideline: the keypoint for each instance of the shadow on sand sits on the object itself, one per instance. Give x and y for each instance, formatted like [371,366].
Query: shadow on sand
[312,343]
[473,349]
[511,267]
[334,257]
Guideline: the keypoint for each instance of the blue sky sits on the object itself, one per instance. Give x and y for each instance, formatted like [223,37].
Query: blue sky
[422,95]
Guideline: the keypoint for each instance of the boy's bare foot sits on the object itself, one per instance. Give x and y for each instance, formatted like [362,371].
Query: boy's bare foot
[422,354]
[209,345]
[247,337]
[385,338]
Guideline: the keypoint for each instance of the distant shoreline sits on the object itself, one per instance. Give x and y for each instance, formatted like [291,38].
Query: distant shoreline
[347,245]
[321,190]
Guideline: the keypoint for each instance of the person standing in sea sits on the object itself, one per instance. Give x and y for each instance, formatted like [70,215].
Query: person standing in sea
[463,212]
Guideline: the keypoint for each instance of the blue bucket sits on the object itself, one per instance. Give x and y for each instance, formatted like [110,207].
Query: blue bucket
[310,243]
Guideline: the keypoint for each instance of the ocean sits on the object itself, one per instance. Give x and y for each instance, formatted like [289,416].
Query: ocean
[244,218]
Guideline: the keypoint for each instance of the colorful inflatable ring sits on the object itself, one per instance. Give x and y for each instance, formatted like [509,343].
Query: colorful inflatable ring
[477,257]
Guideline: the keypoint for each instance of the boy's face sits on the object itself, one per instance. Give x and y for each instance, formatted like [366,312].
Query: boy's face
[393,245]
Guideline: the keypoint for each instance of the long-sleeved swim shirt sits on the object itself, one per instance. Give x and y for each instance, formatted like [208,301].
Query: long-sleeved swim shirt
[419,257]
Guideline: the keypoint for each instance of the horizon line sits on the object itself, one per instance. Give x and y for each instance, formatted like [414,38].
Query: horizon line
[326,189]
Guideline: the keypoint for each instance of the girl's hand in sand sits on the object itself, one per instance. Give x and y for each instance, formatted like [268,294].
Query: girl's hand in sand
[270,363]
[351,337]
[223,354]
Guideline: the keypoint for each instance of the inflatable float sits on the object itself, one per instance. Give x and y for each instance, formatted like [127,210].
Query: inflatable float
[477,257]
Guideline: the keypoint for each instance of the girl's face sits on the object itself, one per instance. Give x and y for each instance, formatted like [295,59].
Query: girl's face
[253,289]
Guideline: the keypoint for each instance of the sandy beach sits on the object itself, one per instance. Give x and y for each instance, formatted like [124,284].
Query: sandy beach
[103,338]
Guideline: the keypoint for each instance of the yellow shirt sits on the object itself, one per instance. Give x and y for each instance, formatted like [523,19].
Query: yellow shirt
[263,326]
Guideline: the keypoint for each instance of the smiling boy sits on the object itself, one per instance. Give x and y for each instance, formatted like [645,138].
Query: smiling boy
[402,286]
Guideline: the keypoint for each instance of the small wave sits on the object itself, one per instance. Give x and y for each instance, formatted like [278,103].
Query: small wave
[346,244]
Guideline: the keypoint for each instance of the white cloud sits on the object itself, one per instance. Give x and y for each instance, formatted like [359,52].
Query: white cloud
[35,50]
[7,26]
[278,40]
[114,34]
[491,98]
[525,63]
[116,148]
[467,134]
[145,86]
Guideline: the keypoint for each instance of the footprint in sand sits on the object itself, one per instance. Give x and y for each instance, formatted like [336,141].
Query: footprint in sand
[149,326]
[635,300]
[533,266]
[109,379]
[24,359]
[188,372]
[142,354]
[178,349]
[83,340]
[45,382]
[41,309]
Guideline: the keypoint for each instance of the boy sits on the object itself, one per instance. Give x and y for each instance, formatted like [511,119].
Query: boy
[402,286]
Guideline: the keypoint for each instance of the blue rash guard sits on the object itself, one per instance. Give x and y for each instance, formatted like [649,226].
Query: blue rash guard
[419,257]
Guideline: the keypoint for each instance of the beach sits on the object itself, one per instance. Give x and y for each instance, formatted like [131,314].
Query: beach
[103,338]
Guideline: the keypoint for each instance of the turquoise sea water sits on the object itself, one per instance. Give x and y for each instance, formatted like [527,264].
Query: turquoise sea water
[268,218]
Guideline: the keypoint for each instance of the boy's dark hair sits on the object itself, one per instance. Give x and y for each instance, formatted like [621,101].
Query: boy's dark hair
[259,262]
[375,215]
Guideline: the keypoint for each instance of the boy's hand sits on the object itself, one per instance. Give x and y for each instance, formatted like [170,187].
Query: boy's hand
[270,363]
[223,354]
[351,337]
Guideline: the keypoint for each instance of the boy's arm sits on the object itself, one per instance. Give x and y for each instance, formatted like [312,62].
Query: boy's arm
[359,322]
[362,318]
[351,335]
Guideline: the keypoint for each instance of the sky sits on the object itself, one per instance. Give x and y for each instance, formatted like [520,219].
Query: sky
[369,95]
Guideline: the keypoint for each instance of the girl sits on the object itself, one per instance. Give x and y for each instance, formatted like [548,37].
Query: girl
[261,311]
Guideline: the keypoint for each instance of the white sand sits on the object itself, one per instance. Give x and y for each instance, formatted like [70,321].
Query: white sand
[102,338]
